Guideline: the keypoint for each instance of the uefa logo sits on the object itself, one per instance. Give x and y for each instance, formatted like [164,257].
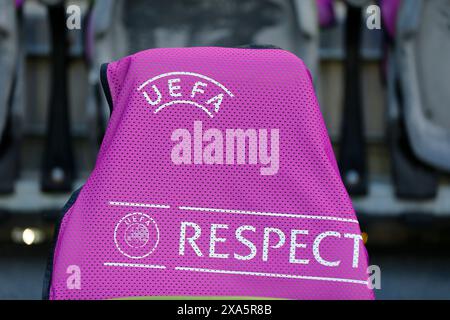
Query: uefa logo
[185,88]
[136,235]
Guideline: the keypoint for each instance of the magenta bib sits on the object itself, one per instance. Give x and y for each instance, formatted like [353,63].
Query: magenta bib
[216,177]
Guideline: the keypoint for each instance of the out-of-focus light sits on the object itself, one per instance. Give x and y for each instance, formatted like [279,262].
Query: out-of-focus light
[28,236]
[365,237]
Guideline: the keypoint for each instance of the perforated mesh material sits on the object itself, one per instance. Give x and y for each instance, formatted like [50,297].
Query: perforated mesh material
[125,231]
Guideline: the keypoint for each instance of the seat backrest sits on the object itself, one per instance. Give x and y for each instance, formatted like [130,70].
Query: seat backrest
[8,57]
[216,177]
[422,50]
[289,24]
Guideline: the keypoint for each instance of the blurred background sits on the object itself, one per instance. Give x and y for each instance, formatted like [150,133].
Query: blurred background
[381,71]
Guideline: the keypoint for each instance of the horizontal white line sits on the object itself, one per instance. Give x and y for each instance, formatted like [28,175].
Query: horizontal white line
[133,265]
[193,103]
[183,73]
[271,275]
[257,213]
[142,205]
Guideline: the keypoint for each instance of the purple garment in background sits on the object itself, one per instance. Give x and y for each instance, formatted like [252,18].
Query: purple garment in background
[19,3]
[326,13]
[389,11]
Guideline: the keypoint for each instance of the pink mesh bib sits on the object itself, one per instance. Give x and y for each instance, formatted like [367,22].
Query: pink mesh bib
[216,177]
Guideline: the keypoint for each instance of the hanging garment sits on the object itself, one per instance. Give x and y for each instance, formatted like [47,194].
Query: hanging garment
[216,177]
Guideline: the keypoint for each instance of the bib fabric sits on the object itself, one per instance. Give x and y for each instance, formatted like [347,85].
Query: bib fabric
[216,177]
